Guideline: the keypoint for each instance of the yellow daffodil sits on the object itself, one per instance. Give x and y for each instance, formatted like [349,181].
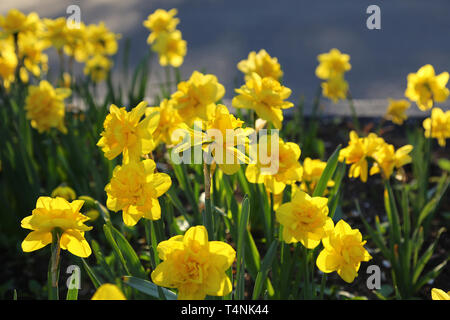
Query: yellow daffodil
[194,265]
[261,63]
[312,171]
[196,98]
[438,294]
[171,48]
[45,106]
[100,40]
[108,291]
[279,169]
[98,67]
[224,140]
[438,125]
[304,219]
[357,152]
[425,88]
[135,188]
[266,96]
[222,128]
[8,61]
[51,213]
[396,111]
[335,88]
[332,64]
[76,44]
[64,192]
[387,159]
[31,50]
[15,22]
[161,21]
[125,132]
[169,121]
[55,32]
[343,252]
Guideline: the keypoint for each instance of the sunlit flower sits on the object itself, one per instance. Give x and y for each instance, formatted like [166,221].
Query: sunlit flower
[55,32]
[266,96]
[171,48]
[31,50]
[100,40]
[125,132]
[98,67]
[135,189]
[304,219]
[438,294]
[312,171]
[387,159]
[335,88]
[261,63]
[275,168]
[332,64]
[15,22]
[343,252]
[194,265]
[196,98]
[76,44]
[358,151]
[45,106]
[224,133]
[425,88]
[58,214]
[438,125]
[161,21]
[169,121]
[108,291]
[396,111]
[8,61]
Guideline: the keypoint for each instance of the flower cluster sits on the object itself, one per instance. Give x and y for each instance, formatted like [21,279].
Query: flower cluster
[332,67]
[45,106]
[373,148]
[164,38]
[438,125]
[135,186]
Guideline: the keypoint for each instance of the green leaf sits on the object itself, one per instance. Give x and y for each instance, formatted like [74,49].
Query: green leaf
[327,173]
[423,260]
[109,237]
[148,287]
[131,257]
[265,267]
[242,228]
[94,278]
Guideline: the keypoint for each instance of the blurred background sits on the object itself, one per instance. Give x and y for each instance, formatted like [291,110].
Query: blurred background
[220,33]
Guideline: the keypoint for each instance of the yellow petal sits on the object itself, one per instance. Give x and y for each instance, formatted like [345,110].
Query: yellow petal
[108,291]
[166,248]
[438,294]
[36,240]
[348,274]
[218,283]
[130,217]
[223,254]
[75,242]
[197,234]
[164,276]
[327,261]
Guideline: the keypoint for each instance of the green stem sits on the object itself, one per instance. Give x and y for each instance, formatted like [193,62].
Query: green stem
[53,271]
[353,112]
[208,210]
